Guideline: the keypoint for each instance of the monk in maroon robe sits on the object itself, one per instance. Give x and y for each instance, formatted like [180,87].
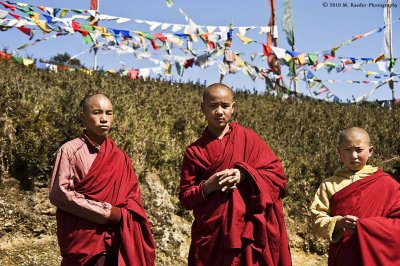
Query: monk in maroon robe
[234,183]
[100,218]
[358,208]
[375,200]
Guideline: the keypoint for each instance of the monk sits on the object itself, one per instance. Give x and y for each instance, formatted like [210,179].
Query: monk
[234,183]
[358,208]
[100,218]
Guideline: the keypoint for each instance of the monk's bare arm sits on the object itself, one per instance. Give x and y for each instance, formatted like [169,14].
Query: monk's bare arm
[63,196]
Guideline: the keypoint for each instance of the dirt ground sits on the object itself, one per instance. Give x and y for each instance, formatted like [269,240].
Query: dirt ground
[27,230]
[18,251]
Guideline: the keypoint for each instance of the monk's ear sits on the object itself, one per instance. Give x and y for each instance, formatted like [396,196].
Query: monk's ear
[82,117]
[370,150]
[233,107]
[202,107]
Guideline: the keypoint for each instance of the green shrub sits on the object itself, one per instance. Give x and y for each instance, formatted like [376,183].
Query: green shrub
[155,121]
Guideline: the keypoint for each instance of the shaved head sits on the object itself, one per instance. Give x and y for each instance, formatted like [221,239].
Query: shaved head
[217,88]
[90,98]
[354,132]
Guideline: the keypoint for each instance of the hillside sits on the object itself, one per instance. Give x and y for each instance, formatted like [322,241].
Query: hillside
[154,122]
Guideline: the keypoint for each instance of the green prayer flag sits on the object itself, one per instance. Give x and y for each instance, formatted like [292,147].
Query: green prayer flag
[288,22]
[392,62]
[87,39]
[312,58]
[17,59]
[292,66]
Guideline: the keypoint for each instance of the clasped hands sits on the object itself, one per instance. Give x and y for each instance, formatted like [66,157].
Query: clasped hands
[224,181]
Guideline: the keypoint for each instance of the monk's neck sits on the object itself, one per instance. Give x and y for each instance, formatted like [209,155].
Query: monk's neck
[94,139]
[219,133]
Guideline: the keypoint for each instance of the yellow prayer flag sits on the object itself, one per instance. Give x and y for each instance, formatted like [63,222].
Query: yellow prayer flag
[27,61]
[140,35]
[175,39]
[301,59]
[86,71]
[379,58]
[167,68]
[287,58]
[42,25]
[95,20]
[193,37]
[239,62]
[35,16]
[319,65]
[103,30]
[64,12]
[244,39]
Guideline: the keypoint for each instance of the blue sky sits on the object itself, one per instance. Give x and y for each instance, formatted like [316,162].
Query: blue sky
[317,28]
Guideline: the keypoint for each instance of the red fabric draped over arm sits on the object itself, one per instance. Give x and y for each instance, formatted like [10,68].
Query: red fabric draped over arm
[110,179]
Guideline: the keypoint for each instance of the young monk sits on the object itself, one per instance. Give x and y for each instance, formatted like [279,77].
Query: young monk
[100,218]
[358,208]
[234,183]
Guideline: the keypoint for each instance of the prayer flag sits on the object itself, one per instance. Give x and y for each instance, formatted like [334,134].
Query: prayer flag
[133,73]
[94,4]
[27,31]
[288,22]
[244,39]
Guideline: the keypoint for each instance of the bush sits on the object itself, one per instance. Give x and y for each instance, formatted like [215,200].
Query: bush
[155,121]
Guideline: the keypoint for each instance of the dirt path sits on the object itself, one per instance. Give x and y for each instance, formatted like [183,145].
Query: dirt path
[43,251]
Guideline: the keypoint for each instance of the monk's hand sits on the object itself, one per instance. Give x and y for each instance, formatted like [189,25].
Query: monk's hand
[231,178]
[346,223]
[213,182]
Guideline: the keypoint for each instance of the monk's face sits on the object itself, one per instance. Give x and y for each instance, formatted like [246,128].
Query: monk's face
[97,117]
[218,107]
[355,150]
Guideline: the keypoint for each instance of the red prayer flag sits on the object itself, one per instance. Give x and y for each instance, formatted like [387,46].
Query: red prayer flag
[272,40]
[154,44]
[15,16]
[266,49]
[94,4]
[189,63]
[161,37]
[76,26]
[133,73]
[329,57]
[8,6]
[4,55]
[27,31]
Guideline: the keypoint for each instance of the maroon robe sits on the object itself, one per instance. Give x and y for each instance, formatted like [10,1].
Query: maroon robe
[375,200]
[111,179]
[246,225]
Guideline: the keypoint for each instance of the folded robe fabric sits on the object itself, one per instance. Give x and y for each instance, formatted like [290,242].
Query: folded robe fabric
[375,200]
[245,226]
[111,179]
